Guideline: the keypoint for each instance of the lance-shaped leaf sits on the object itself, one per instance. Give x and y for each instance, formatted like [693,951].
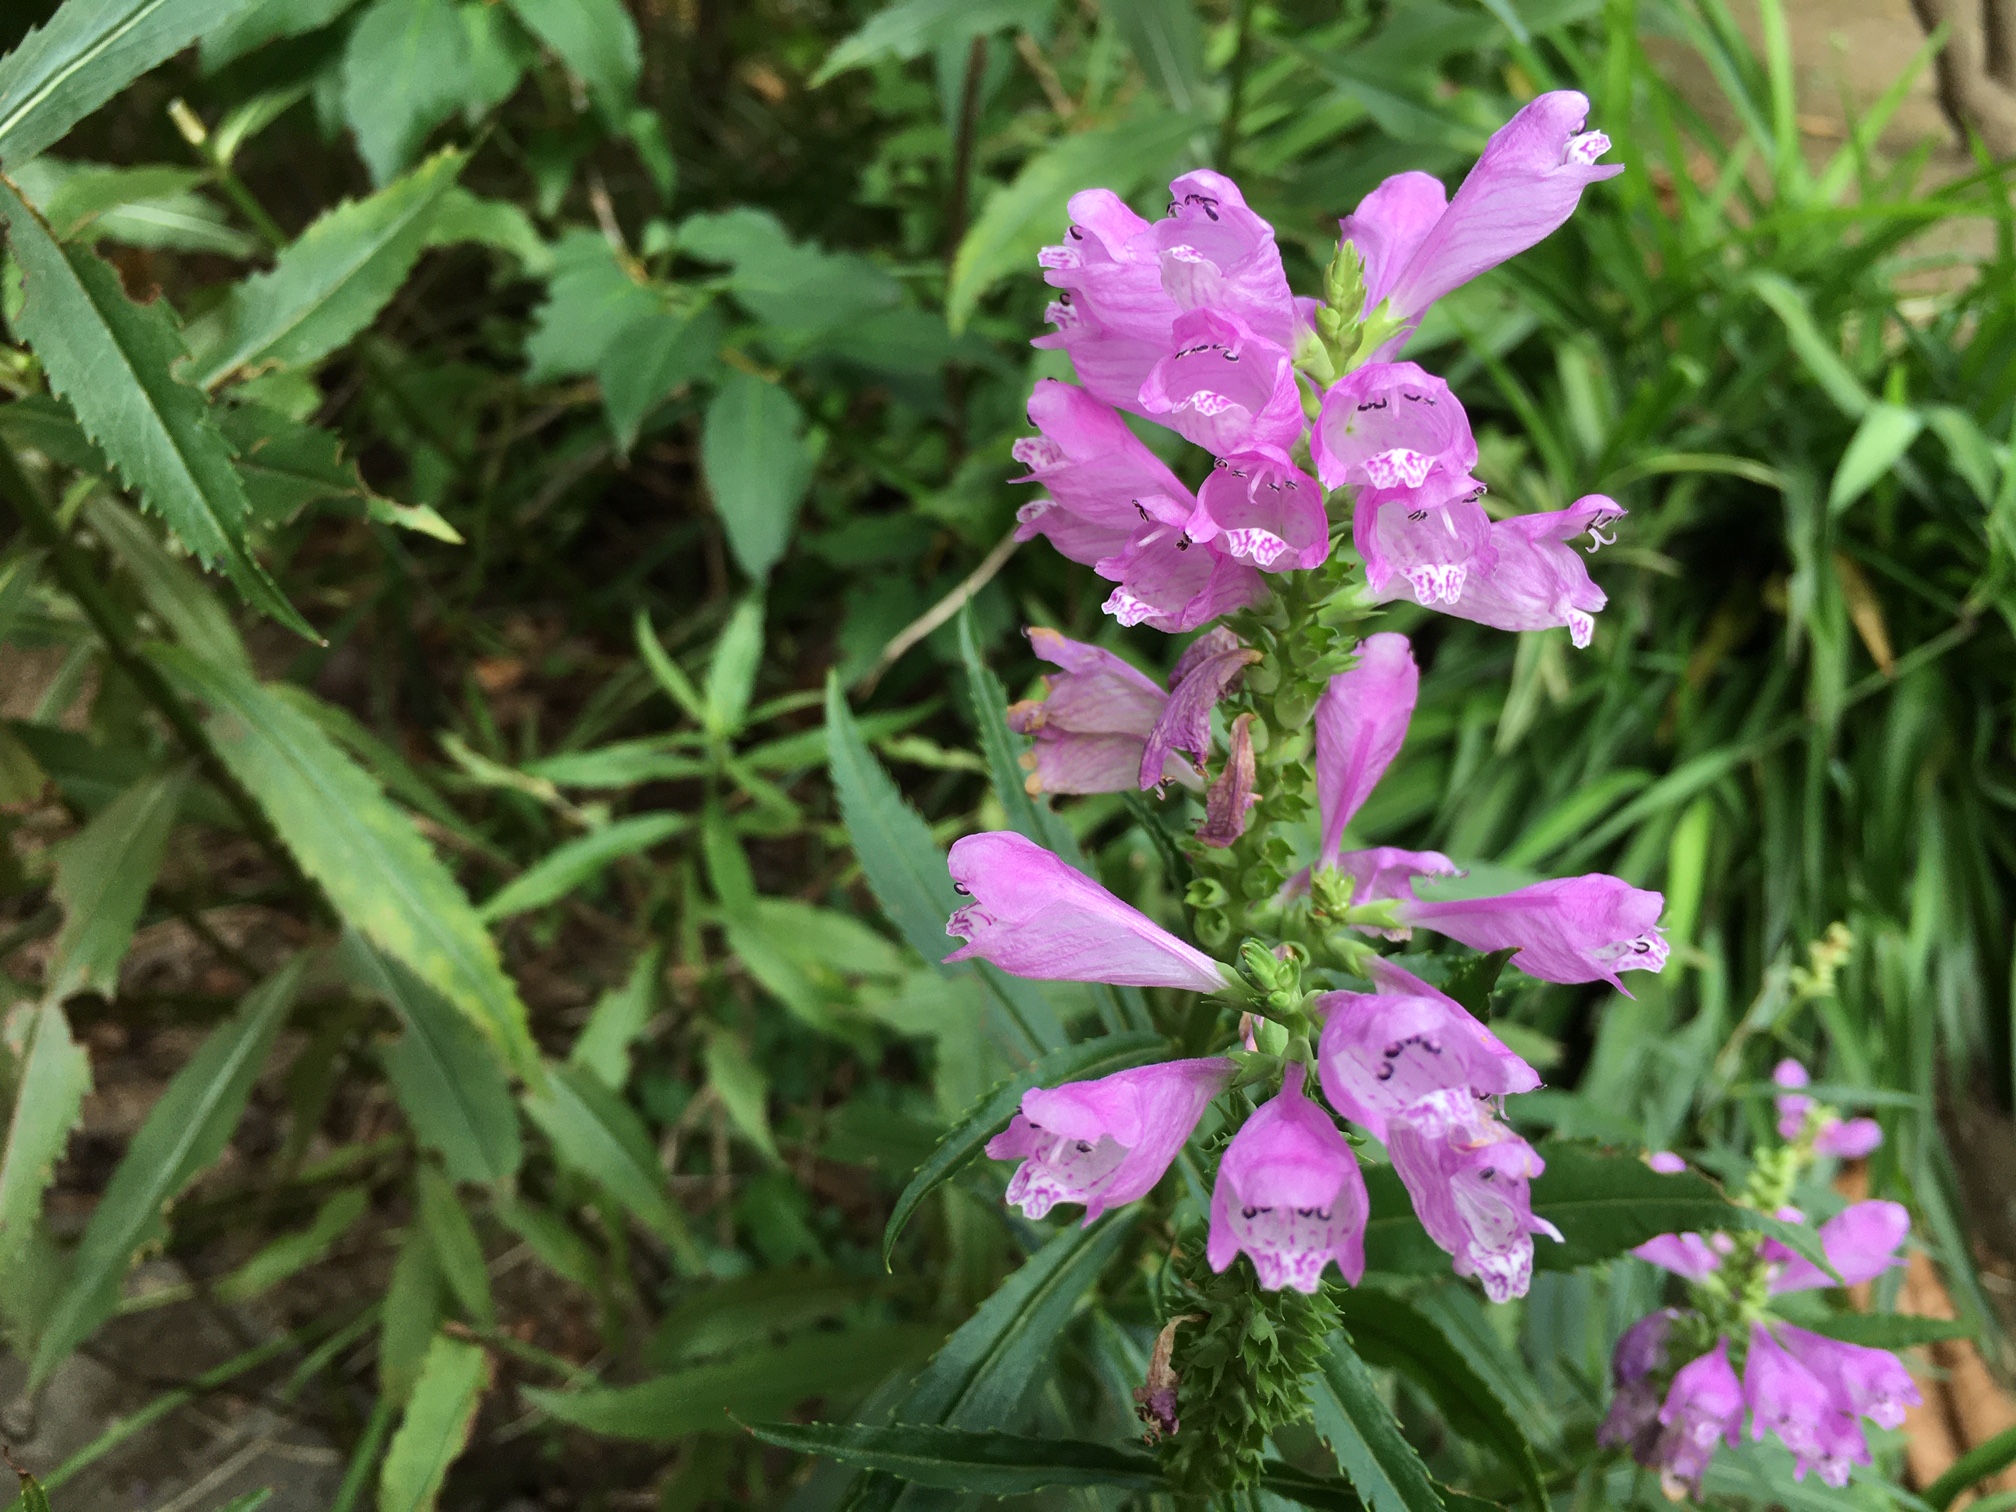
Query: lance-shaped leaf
[1083,1062]
[983,1464]
[435,1429]
[186,1131]
[447,1077]
[1355,1421]
[365,853]
[112,360]
[579,862]
[597,41]
[55,1075]
[332,280]
[86,53]
[103,874]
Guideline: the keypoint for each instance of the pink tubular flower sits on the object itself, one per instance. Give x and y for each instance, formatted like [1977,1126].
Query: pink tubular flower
[1535,580]
[1860,1242]
[1225,387]
[1229,798]
[1791,1403]
[1289,1193]
[1703,1408]
[1524,186]
[1169,585]
[1103,483]
[1430,542]
[1666,1163]
[1382,1052]
[1204,672]
[1104,1143]
[1361,721]
[1125,280]
[1864,1382]
[1633,1419]
[1686,1255]
[1389,425]
[1849,1138]
[1575,929]
[1467,1176]
[1034,915]
[1258,507]
[1386,872]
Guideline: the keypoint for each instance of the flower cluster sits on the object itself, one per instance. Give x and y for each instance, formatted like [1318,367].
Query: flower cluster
[1305,407]
[1687,1376]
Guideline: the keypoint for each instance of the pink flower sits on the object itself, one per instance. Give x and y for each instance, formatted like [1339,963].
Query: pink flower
[1169,585]
[1034,915]
[1788,1401]
[1429,541]
[1225,387]
[1104,727]
[1849,1138]
[1258,507]
[1864,1382]
[1125,281]
[1686,1255]
[1103,483]
[1290,1195]
[1666,1163]
[1468,1177]
[1386,872]
[1703,1408]
[1860,1242]
[1361,721]
[1633,1419]
[1382,1052]
[1790,1075]
[1526,184]
[1390,425]
[1576,929]
[1104,1143]
[1231,796]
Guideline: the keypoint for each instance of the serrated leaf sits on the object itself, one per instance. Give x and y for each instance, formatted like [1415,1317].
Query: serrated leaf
[598,1134]
[366,855]
[579,861]
[447,1077]
[1359,1427]
[332,280]
[435,1428]
[456,1248]
[1082,1062]
[177,596]
[55,1075]
[112,361]
[597,41]
[406,69]
[984,1464]
[1389,1332]
[911,28]
[412,1311]
[185,1132]
[1471,980]
[263,21]
[757,466]
[85,54]
[103,875]
[764,1381]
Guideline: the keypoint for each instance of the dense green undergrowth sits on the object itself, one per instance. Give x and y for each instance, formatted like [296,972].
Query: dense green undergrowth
[479,474]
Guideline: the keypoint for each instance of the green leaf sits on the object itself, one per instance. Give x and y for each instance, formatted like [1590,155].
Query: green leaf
[757,466]
[457,1250]
[331,281]
[1083,1062]
[621,764]
[1471,980]
[743,1089]
[911,28]
[447,1077]
[578,862]
[461,216]
[176,595]
[184,1134]
[103,875]
[1389,1332]
[261,21]
[436,1426]
[1003,749]
[407,68]
[597,1134]
[1021,216]
[1888,1330]
[33,1497]
[293,1253]
[1973,1467]
[86,53]
[593,297]
[149,206]
[984,1464]
[1359,1427]
[656,355]
[411,1313]
[1167,42]
[1822,359]
[366,854]
[765,1381]
[597,41]
[54,1076]
[731,674]
[1880,441]
[616,1021]
[749,1311]
[111,360]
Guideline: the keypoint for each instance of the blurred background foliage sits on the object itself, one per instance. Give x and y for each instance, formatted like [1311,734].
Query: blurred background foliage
[667,358]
